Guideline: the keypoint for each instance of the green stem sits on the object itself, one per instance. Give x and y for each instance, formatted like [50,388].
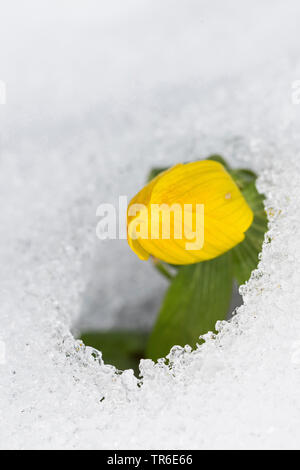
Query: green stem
[162,269]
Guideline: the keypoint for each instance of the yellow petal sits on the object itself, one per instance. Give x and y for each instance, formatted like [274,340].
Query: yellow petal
[227,215]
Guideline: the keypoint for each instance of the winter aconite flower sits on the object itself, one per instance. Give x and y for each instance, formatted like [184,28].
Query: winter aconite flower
[190,213]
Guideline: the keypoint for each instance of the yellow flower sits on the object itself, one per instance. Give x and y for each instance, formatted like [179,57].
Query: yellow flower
[190,213]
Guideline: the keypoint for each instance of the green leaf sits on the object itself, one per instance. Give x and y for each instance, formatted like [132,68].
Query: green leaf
[243,177]
[198,297]
[245,255]
[154,172]
[122,349]
[219,159]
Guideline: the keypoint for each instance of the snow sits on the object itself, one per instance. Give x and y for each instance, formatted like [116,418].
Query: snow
[97,93]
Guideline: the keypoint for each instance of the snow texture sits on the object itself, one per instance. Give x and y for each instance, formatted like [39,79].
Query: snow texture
[97,93]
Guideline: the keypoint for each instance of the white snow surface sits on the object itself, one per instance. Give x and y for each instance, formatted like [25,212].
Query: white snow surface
[97,93]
